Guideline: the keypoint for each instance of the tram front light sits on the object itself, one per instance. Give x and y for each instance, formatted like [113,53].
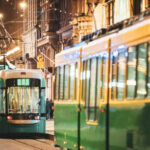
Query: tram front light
[37,117]
[9,117]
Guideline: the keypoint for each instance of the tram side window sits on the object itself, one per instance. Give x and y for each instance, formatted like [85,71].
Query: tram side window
[148,84]
[72,81]
[99,83]
[84,80]
[2,101]
[66,82]
[114,74]
[141,70]
[93,83]
[61,82]
[131,73]
[121,74]
[76,80]
[103,78]
[57,84]
[88,81]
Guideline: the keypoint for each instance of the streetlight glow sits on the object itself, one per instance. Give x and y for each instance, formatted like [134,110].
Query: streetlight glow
[1,15]
[11,52]
[23,5]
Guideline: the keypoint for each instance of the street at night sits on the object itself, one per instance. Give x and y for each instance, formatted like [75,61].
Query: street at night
[74,74]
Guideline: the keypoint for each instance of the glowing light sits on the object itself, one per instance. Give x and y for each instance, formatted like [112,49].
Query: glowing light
[10,52]
[23,5]
[1,15]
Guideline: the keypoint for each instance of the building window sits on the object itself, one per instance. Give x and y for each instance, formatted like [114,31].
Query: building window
[136,6]
[110,12]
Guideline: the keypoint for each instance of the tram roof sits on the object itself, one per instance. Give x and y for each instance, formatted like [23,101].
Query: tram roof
[22,73]
[119,37]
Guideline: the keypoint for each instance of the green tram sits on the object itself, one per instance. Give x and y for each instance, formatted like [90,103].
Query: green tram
[22,102]
[102,92]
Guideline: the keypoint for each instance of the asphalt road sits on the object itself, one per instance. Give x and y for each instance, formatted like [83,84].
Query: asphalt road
[27,144]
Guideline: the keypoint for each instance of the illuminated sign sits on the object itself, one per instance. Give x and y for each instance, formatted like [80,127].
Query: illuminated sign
[40,61]
[23,82]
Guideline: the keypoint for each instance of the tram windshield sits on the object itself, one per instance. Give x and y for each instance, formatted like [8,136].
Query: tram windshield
[23,95]
[23,100]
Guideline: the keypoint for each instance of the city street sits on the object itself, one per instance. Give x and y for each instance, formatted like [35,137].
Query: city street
[30,144]
[26,144]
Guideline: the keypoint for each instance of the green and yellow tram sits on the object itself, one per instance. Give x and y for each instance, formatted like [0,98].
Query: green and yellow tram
[102,92]
[22,102]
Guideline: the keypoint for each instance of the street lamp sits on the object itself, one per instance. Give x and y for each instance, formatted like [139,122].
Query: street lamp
[23,5]
[1,15]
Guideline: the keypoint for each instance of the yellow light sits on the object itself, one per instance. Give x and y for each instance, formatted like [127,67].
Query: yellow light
[10,52]
[23,5]
[1,15]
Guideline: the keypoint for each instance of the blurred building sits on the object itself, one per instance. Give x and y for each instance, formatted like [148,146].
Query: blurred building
[30,21]
[12,29]
[79,18]
[40,38]
[54,25]
[47,42]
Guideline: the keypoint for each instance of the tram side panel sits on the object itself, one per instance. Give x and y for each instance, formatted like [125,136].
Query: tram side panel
[42,124]
[130,103]
[3,126]
[93,113]
[65,114]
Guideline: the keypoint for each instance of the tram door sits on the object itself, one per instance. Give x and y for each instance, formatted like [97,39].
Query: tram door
[93,91]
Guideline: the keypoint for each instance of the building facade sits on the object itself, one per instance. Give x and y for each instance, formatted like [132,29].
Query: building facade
[30,33]
[79,18]
[54,25]
[47,42]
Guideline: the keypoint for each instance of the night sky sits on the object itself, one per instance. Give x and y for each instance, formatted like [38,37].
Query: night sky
[12,14]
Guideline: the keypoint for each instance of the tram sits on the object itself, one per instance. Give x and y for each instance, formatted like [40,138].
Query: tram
[22,102]
[102,91]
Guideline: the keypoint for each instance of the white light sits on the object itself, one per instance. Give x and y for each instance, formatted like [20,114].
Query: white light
[23,5]
[10,52]
[1,15]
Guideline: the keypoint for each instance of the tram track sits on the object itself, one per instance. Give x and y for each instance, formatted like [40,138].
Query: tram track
[26,144]
[39,144]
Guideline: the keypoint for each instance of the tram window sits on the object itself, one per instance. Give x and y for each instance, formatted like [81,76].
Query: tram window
[72,81]
[2,101]
[84,80]
[92,103]
[23,99]
[114,75]
[148,83]
[141,71]
[93,82]
[88,81]
[66,82]
[61,81]
[121,74]
[57,84]
[131,73]
[76,80]
[103,78]
[98,81]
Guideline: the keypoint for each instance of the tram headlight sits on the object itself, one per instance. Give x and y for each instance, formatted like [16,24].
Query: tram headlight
[37,117]
[9,117]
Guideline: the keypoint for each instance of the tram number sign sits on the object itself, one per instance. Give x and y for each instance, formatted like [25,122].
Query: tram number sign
[40,61]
